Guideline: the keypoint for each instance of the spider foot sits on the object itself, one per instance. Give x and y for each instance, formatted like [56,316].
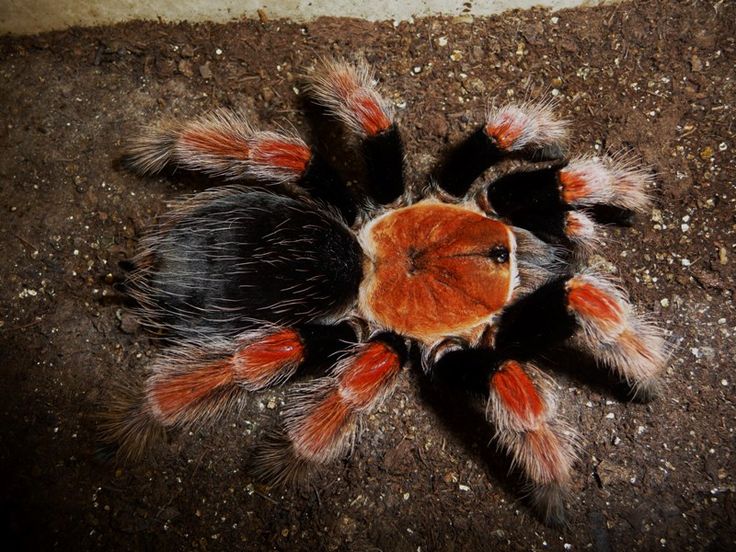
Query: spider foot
[548,501]
[126,427]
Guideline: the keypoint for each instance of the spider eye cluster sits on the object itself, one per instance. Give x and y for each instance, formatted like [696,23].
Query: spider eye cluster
[499,254]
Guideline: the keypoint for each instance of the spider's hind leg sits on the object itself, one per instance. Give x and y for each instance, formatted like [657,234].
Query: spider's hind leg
[322,416]
[202,379]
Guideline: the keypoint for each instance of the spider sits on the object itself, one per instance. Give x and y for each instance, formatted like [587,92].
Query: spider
[474,276]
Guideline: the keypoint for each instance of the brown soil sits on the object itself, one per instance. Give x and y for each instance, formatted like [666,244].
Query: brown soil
[657,77]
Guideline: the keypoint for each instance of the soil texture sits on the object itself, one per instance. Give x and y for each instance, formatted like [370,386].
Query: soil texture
[655,78]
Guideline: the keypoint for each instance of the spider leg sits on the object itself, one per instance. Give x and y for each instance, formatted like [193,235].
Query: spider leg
[225,144]
[547,201]
[597,317]
[201,379]
[349,93]
[321,421]
[523,411]
[615,334]
[529,131]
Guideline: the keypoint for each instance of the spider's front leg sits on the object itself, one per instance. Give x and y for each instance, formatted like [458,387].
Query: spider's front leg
[529,131]
[349,93]
[562,202]
[203,378]
[322,416]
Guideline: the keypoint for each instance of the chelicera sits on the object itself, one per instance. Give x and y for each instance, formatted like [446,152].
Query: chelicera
[475,275]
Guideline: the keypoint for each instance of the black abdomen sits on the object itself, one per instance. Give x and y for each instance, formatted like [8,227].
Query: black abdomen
[228,260]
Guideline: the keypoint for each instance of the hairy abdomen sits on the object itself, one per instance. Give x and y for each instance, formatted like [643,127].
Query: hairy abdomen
[227,261]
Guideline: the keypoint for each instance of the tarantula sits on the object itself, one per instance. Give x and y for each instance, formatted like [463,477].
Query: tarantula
[476,275]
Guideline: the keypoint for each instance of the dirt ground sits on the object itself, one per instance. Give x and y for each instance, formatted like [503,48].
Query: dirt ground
[656,77]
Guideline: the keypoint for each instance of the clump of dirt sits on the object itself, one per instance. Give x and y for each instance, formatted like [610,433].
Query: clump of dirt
[653,77]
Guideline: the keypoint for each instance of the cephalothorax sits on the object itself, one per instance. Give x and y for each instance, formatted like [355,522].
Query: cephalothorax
[478,272]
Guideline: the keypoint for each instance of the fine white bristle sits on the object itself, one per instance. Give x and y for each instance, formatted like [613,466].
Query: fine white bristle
[588,181]
[349,92]
[222,144]
[528,125]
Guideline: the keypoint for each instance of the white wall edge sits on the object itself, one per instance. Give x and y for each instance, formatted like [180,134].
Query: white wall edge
[34,16]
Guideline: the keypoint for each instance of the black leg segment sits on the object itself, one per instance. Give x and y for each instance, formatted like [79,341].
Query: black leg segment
[384,157]
[323,183]
[466,162]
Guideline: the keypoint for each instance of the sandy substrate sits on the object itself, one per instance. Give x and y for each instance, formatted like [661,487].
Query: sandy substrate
[653,77]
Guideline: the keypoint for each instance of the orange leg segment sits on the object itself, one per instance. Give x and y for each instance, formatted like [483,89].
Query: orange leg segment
[224,144]
[522,410]
[321,422]
[615,334]
[349,92]
[198,381]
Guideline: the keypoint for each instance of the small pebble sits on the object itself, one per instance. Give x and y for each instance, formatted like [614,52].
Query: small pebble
[205,72]
[722,256]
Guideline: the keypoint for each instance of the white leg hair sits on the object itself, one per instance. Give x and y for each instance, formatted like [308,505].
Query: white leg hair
[523,409]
